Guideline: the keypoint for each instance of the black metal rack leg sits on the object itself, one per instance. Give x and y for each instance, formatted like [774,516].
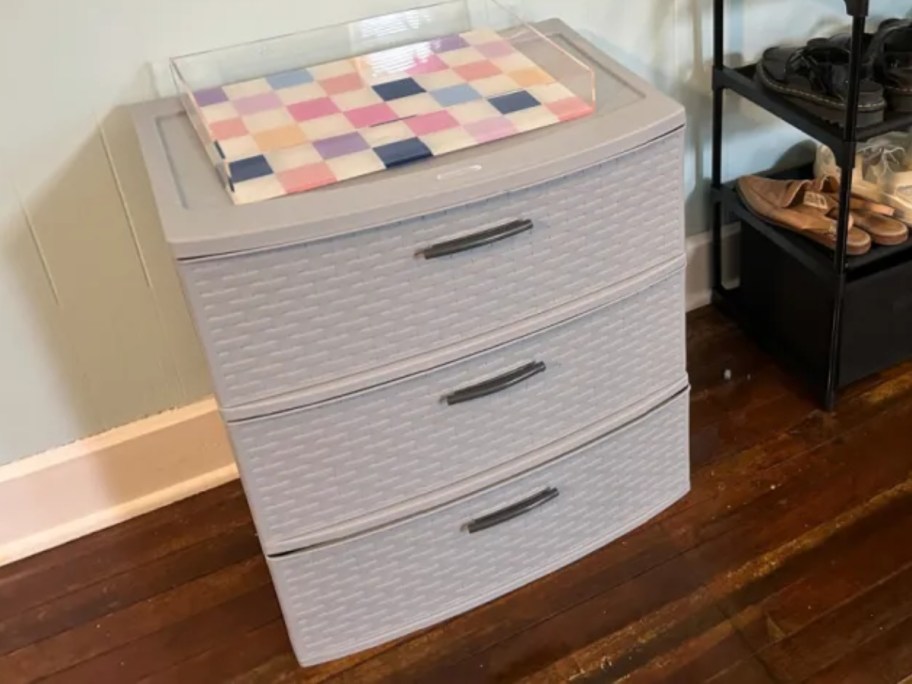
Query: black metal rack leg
[846,157]
[718,111]
[717,217]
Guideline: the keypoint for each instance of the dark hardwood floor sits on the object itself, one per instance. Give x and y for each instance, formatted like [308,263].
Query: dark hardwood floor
[790,561]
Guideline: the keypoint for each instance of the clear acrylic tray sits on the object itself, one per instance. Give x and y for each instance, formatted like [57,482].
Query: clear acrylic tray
[297,112]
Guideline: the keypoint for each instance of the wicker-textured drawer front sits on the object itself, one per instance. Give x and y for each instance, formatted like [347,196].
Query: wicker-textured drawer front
[343,597]
[287,319]
[333,462]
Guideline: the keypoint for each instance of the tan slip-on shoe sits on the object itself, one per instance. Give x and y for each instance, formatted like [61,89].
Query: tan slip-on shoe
[795,206]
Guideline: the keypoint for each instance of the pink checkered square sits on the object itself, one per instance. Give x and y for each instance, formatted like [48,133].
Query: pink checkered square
[365,117]
[313,109]
[477,70]
[570,108]
[424,124]
[227,129]
[491,129]
[306,177]
[257,103]
[342,84]
[427,65]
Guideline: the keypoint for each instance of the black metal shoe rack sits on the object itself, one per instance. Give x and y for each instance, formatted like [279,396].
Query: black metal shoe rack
[833,318]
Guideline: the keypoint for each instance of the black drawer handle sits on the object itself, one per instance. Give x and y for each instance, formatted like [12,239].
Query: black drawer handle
[513,511]
[485,237]
[498,384]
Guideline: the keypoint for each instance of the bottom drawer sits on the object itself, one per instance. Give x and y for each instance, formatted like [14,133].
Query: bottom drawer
[346,596]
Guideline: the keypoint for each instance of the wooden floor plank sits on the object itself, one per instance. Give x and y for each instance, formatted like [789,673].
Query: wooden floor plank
[699,647]
[97,600]
[789,561]
[59,571]
[751,671]
[93,638]
[184,640]
[808,585]
[787,473]
[229,661]
[721,355]
[885,659]
[814,582]
[725,465]
[823,642]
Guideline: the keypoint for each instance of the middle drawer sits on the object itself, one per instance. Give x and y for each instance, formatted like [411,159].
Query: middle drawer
[332,463]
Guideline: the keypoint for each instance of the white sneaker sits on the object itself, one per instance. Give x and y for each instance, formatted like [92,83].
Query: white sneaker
[883,172]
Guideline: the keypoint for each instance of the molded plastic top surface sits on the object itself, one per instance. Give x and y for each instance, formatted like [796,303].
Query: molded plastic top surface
[199,218]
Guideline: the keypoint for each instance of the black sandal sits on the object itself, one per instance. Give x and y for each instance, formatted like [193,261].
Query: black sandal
[887,60]
[816,78]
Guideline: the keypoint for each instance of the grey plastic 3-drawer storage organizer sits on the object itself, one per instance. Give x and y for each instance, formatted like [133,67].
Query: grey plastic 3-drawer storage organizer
[418,433]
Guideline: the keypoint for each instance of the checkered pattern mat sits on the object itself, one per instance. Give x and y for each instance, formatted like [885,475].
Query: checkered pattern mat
[302,129]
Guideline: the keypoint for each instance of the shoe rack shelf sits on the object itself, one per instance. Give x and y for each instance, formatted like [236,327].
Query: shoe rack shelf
[812,256]
[741,81]
[832,318]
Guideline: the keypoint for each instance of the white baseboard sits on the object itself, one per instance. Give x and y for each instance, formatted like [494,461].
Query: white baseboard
[66,493]
[699,266]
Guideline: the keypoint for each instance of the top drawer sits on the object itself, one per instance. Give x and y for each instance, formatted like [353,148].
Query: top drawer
[292,318]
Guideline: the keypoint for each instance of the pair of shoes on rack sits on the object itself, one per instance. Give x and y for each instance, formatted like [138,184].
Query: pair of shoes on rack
[816,76]
[811,208]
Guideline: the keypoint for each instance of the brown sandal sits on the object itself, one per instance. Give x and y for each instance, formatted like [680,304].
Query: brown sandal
[882,229]
[795,205]
[829,186]
[871,217]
